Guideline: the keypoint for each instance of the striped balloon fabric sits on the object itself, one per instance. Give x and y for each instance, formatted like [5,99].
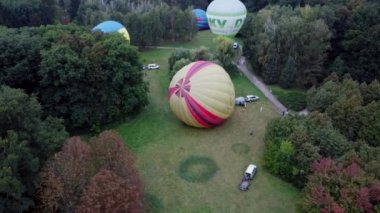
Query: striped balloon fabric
[201,94]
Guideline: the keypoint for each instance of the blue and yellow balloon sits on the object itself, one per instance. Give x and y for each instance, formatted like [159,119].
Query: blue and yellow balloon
[111,27]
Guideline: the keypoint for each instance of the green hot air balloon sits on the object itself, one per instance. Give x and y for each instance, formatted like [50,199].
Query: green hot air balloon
[226,17]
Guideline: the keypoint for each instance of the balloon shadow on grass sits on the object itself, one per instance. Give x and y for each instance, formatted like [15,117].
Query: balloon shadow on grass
[197,169]
[240,148]
[152,203]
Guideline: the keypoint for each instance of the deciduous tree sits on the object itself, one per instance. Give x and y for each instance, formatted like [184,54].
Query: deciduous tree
[108,152]
[288,44]
[65,177]
[82,175]
[27,141]
[336,187]
[107,192]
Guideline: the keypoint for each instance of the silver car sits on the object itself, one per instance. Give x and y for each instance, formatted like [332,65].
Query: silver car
[153,66]
[251,98]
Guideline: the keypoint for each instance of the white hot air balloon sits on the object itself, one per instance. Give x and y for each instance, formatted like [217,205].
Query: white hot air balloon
[226,17]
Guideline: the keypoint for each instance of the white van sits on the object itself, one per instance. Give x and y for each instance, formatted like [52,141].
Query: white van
[250,172]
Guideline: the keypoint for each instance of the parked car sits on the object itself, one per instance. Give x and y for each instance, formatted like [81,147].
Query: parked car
[244,184]
[235,45]
[249,174]
[240,101]
[153,66]
[251,98]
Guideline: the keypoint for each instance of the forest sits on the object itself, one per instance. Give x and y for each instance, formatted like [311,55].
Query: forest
[58,78]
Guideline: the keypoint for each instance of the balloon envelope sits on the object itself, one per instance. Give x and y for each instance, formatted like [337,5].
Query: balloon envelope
[112,26]
[201,94]
[201,17]
[226,17]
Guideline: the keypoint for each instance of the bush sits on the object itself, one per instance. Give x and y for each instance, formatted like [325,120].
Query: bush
[177,66]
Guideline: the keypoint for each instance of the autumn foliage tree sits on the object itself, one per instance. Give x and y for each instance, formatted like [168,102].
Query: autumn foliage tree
[108,152]
[106,192]
[340,187]
[64,178]
[82,175]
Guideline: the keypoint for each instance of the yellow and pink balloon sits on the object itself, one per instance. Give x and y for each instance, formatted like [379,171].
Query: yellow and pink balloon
[201,94]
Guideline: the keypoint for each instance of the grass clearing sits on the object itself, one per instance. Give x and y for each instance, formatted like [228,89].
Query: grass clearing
[294,99]
[197,169]
[240,148]
[161,142]
[203,38]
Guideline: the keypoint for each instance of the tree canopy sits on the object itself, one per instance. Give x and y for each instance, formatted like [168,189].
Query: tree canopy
[101,172]
[27,140]
[88,79]
[287,46]
[333,152]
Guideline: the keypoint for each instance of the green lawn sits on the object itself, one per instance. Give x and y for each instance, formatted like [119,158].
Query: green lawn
[293,99]
[203,38]
[161,142]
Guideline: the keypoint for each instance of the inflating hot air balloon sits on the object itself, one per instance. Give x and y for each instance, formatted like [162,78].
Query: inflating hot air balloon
[112,26]
[201,17]
[201,94]
[226,17]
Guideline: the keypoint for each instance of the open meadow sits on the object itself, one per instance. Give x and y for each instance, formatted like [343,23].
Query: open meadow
[161,143]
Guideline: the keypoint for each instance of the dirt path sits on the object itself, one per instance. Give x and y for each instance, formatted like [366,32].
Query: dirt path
[262,87]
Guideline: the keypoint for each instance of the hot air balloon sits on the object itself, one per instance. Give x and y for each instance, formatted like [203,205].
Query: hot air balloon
[201,17]
[226,17]
[112,26]
[201,94]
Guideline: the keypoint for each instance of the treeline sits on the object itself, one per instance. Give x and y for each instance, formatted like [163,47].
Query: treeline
[148,22]
[22,13]
[334,153]
[256,5]
[55,77]
[223,55]
[87,79]
[297,45]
